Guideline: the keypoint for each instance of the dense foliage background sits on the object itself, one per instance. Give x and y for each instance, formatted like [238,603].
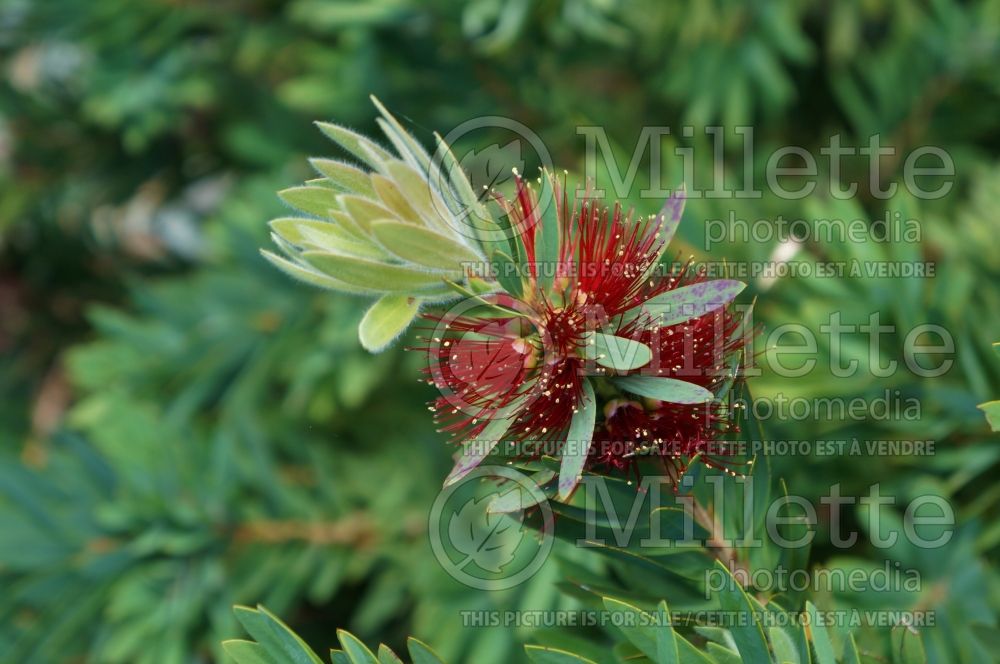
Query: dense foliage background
[182,428]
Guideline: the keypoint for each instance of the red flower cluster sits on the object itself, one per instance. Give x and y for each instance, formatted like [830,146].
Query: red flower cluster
[525,354]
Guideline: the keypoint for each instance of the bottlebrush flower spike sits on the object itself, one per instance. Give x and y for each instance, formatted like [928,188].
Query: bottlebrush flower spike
[590,354]
[573,344]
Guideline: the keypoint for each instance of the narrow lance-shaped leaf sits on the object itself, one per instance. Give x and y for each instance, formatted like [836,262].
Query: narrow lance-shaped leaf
[377,276]
[345,176]
[578,439]
[363,210]
[280,642]
[479,448]
[360,146]
[670,214]
[690,655]
[408,147]
[669,218]
[683,304]
[423,195]
[422,246]
[907,645]
[421,653]
[388,192]
[720,654]
[387,656]
[819,636]
[317,201]
[246,652]
[547,233]
[618,353]
[747,631]
[992,411]
[355,649]
[784,648]
[507,273]
[664,389]
[386,320]
[347,222]
[638,627]
[547,655]
[851,654]
[324,235]
[314,277]
[470,216]
[480,298]
[666,638]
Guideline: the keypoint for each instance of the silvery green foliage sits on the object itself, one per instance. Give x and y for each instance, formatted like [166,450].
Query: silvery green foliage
[389,226]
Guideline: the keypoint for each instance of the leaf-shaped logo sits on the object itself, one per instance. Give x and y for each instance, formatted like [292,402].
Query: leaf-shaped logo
[480,541]
[491,166]
[487,540]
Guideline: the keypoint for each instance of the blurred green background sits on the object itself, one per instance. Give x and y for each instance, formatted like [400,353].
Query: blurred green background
[183,428]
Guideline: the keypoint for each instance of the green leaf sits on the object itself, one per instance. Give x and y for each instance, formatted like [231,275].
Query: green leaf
[422,246]
[461,199]
[992,411]
[545,655]
[689,654]
[320,182]
[618,353]
[386,320]
[670,214]
[819,636]
[345,176]
[687,302]
[723,655]
[422,195]
[641,629]
[480,298]
[507,273]
[409,149]
[360,146]
[907,646]
[387,656]
[314,277]
[851,654]
[783,645]
[577,444]
[748,634]
[247,652]
[477,449]
[393,199]
[347,222]
[324,235]
[280,642]
[664,389]
[364,211]
[547,234]
[375,276]
[317,201]
[421,653]
[666,638]
[357,651]
[456,176]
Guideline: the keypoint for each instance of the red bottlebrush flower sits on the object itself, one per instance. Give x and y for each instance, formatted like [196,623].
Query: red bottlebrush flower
[588,341]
